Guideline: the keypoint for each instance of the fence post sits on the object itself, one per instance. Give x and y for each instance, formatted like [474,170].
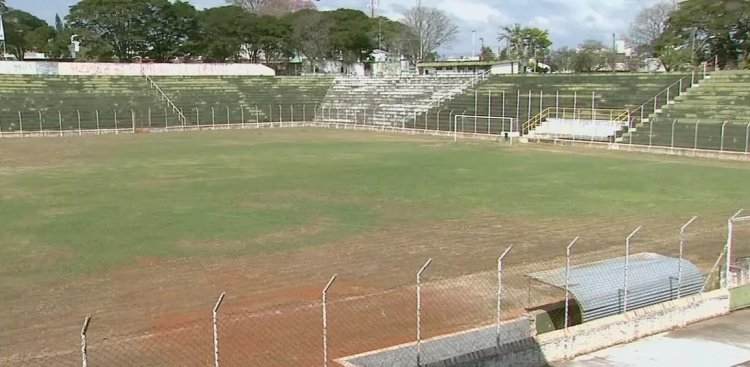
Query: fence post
[132,119]
[593,105]
[500,290]
[503,102]
[575,103]
[518,105]
[567,281]
[215,317]
[84,344]
[280,113]
[419,311]
[695,147]
[242,116]
[673,122]
[682,246]
[40,123]
[149,117]
[270,113]
[476,107]
[291,111]
[59,121]
[20,122]
[437,121]
[529,110]
[541,101]
[723,126]
[78,114]
[213,118]
[557,104]
[656,99]
[198,118]
[166,121]
[747,136]
[304,115]
[116,128]
[325,320]
[650,132]
[228,118]
[627,263]
[257,115]
[451,120]
[98,131]
[730,243]
[667,102]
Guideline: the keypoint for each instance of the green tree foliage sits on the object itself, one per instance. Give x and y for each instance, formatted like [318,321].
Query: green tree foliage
[25,32]
[591,56]
[351,34]
[708,29]
[525,42]
[223,31]
[487,54]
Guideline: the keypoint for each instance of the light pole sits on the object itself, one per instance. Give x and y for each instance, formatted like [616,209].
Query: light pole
[473,44]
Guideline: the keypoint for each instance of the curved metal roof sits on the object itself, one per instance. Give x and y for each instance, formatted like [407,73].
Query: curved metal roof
[598,286]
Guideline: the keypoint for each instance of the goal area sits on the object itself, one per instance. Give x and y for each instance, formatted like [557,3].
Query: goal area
[486,125]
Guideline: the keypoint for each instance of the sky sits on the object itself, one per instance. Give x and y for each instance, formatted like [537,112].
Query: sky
[569,21]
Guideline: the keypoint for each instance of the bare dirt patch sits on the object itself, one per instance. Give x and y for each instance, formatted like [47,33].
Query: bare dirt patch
[160,310]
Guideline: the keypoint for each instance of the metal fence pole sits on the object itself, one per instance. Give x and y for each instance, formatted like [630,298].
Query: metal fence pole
[20,122]
[419,311]
[304,114]
[213,118]
[40,122]
[257,115]
[132,119]
[650,132]
[518,105]
[747,136]
[242,116]
[476,108]
[325,320]
[503,102]
[695,146]
[116,127]
[215,315]
[59,121]
[529,110]
[78,114]
[98,131]
[291,111]
[723,126]
[500,290]
[437,121]
[198,118]
[557,104]
[575,103]
[270,113]
[673,122]
[567,281]
[84,343]
[281,120]
[228,118]
[730,243]
[682,246]
[627,263]
[149,117]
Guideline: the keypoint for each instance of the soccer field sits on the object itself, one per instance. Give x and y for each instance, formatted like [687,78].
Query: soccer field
[144,231]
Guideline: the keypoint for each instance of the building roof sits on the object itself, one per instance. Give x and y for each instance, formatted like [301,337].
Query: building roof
[598,286]
[463,63]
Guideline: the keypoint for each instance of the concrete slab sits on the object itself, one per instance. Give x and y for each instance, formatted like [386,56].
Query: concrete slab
[721,342]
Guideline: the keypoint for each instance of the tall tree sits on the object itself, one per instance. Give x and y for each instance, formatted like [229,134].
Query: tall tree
[710,28]
[432,27]
[351,36]
[487,54]
[25,32]
[311,35]
[273,7]
[649,24]
[525,42]
[591,56]
[122,24]
[562,59]
[223,29]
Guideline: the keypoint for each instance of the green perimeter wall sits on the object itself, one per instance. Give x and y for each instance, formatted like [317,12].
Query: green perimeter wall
[739,297]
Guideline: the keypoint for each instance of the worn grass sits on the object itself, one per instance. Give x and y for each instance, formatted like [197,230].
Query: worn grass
[74,205]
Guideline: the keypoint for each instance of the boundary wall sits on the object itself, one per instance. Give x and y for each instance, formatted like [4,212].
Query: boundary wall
[119,69]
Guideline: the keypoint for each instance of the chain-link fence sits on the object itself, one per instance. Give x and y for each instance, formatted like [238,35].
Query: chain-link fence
[407,309]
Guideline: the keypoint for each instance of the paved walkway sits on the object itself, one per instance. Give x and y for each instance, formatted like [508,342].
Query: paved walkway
[721,342]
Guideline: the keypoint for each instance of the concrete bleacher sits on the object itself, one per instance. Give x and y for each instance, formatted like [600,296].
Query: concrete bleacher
[55,102]
[262,99]
[105,102]
[696,119]
[388,101]
[509,95]
[561,128]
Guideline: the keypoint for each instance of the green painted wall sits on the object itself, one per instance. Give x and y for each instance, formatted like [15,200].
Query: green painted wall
[739,297]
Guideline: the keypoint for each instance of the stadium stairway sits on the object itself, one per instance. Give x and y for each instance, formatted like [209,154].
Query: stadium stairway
[389,101]
[34,103]
[522,97]
[713,116]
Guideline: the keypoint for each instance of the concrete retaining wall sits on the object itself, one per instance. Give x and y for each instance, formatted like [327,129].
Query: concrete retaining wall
[115,69]
[481,348]
[683,152]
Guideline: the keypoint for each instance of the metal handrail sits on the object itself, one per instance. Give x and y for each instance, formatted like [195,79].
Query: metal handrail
[175,109]
[678,82]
